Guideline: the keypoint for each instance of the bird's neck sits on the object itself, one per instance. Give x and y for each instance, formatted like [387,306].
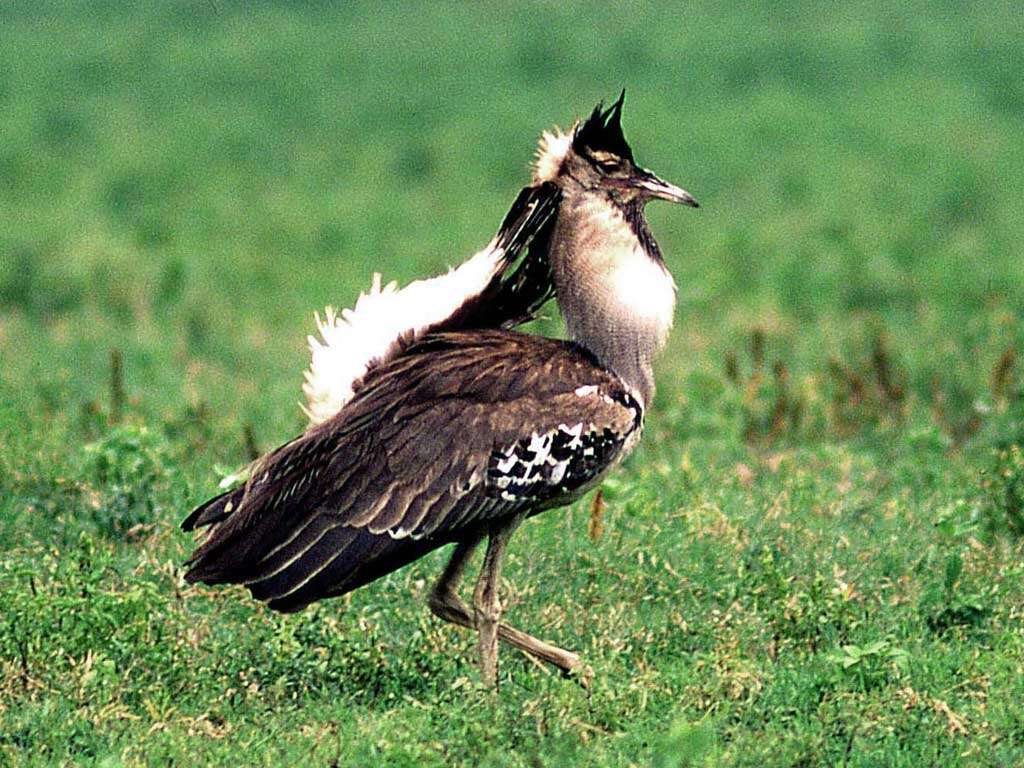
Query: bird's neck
[615,294]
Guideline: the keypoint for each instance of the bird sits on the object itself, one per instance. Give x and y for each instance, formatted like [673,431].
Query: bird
[435,419]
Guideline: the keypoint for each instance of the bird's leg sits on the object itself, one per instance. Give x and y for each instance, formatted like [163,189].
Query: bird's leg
[446,604]
[444,600]
[487,603]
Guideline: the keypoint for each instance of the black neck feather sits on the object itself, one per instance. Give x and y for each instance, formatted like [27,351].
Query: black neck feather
[634,213]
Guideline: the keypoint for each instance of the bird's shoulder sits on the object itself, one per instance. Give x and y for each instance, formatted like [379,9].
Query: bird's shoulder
[486,365]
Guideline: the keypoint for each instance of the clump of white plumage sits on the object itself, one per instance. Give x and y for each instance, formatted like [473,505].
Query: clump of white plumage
[383,319]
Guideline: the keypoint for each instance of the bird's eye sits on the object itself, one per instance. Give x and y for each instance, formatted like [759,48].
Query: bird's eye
[609,166]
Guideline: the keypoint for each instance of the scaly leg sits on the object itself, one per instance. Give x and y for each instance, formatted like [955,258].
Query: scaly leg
[446,604]
[444,600]
[487,603]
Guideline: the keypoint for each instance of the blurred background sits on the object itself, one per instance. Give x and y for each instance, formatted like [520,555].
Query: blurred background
[189,181]
[813,558]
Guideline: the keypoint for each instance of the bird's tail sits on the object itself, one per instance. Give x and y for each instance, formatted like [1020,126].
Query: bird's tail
[530,211]
[387,318]
[514,295]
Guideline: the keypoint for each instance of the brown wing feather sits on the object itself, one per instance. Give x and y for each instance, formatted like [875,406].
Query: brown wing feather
[415,461]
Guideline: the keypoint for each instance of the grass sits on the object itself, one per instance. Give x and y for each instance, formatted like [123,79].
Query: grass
[815,556]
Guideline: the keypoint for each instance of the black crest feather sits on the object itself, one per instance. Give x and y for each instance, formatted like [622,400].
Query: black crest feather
[603,131]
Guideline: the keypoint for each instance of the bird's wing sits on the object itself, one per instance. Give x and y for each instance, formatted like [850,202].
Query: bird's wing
[461,431]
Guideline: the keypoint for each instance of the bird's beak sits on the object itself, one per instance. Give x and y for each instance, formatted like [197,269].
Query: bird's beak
[652,186]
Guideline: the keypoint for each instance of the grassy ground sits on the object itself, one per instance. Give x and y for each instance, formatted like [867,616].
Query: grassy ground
[814,558]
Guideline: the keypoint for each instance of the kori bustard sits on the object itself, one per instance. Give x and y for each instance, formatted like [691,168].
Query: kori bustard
[434,421]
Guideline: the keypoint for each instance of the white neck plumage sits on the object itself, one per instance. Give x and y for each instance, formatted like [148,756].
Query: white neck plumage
[617,299]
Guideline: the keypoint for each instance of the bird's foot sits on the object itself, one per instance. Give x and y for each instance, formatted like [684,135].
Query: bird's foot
[567,662]
[447,605]
[582,674]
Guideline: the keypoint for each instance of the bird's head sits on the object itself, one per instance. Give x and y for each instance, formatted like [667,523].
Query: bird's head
[594,157]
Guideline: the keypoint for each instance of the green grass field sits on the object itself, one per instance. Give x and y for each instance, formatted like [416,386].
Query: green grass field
[816,556]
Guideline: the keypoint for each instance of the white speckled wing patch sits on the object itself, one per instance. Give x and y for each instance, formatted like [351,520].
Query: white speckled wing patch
[551,464]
